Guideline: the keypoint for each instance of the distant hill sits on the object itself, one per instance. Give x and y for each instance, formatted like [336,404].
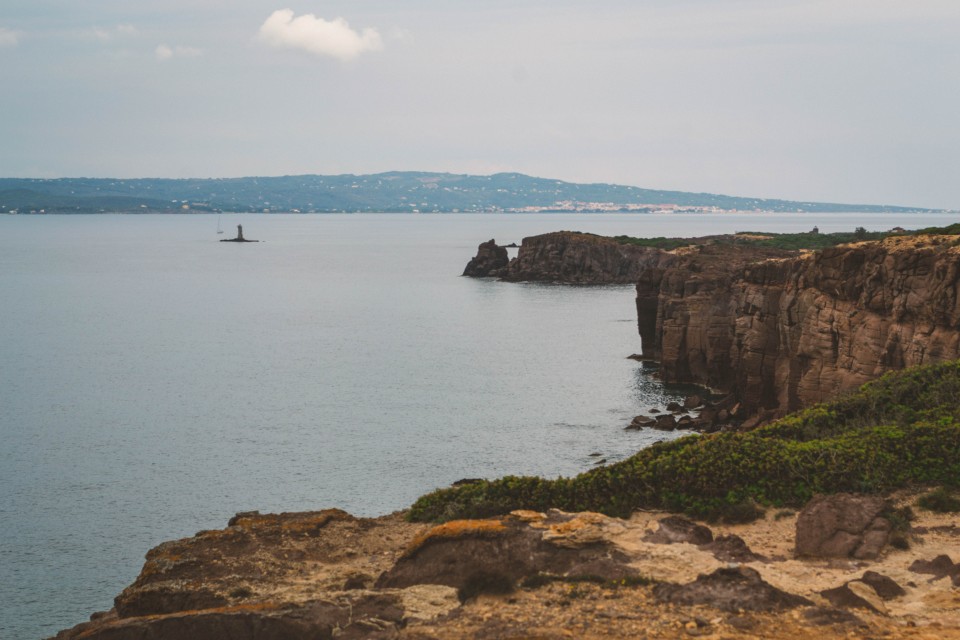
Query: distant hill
[398,191]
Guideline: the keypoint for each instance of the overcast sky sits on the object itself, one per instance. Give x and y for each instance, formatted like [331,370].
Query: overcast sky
[832,100]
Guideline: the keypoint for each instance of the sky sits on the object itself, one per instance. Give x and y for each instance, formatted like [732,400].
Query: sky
[854,101]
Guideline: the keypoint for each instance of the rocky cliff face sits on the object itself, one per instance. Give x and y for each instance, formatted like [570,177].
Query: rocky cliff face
[785,332]
[569,257]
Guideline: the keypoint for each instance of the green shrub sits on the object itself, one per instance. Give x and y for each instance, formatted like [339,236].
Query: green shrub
[940,500]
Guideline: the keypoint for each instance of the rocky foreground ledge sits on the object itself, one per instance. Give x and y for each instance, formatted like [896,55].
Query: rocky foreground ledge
[846,566]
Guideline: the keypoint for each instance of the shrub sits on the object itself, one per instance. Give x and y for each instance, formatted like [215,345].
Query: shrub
[940,500]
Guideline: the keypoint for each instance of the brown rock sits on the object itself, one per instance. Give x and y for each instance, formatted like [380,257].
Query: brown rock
[674,407]
[844,596]
[940,567]
[480,556]
[675,529]
[739,589]
[731,548]
[886,587]
[781,331]
[692,402]
[580,258]
[490,259]
[842,525]
[665,422]
[363,616]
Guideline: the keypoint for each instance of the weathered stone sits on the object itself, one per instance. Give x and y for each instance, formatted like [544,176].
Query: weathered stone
[579,258]
[692,402]
[676,529]
[849,596]
[781,331]
[731,548]
[730,589]
[838,526]
[477,556]
[885,586]
[674,407]
[665,422]
[940,567]
[490,259]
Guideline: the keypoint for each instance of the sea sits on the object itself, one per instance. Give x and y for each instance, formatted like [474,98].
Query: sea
[153,381]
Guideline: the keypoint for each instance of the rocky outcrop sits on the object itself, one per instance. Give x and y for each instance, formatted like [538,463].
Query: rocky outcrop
[782,332]
[843,525]
[480,556]
[490,259]
[567,257]
[730,589]
[327,574]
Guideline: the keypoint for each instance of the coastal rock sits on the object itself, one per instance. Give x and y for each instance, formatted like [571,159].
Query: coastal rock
[782,331]
[578,258]
[842,525]
[490,259]
[364,616]
[665,422]
[730,589]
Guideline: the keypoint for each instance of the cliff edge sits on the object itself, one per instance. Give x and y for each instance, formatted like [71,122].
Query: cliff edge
[782,333]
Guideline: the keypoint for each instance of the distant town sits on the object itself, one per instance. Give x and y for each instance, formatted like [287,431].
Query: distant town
[393,192]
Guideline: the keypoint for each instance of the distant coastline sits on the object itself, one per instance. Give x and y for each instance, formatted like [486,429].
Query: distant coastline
[392,192]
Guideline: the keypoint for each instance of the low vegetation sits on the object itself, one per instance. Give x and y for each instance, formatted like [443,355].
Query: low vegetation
[902,429]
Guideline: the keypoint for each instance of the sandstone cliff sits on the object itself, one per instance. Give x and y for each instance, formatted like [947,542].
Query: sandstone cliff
[785,332]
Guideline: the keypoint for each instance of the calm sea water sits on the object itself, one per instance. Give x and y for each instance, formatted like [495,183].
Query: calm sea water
[153,381]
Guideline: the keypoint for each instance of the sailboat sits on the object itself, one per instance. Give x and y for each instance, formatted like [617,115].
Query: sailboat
[219,230]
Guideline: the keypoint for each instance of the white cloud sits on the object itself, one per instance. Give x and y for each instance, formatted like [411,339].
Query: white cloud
[106,34]
[315,35]
[165,52]
[9,38]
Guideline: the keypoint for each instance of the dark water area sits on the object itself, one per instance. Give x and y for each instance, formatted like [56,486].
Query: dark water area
[153,381]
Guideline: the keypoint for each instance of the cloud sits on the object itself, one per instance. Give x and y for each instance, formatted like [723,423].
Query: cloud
[9,38]
[110,33]
[165,52]
[315,35]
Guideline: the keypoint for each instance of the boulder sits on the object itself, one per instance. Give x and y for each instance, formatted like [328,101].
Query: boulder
[674,407]
[665,422]
[692,402]
[842,525]
[730,589]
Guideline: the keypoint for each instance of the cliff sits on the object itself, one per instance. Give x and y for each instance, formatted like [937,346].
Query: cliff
[785,332]
[568,257]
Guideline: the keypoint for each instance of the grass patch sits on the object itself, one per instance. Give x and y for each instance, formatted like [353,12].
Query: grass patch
[940,500]
[899,430]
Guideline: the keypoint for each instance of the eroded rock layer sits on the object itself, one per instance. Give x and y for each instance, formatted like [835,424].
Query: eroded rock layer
[786,332]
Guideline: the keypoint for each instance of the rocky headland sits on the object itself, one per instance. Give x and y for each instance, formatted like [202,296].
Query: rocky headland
[548,575]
